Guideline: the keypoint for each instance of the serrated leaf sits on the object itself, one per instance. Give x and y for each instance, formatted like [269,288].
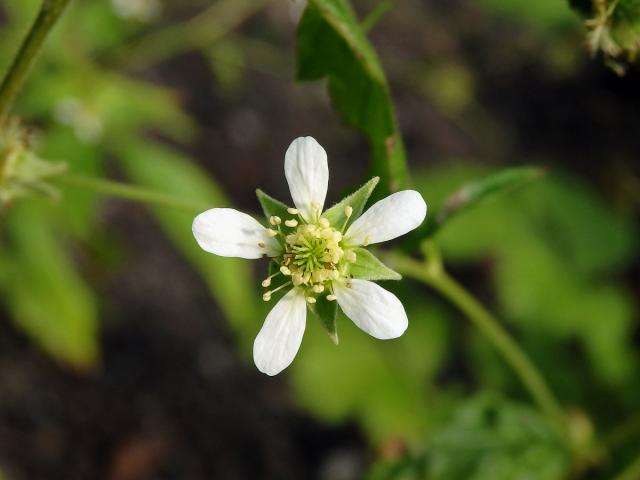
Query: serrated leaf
[368,267]
[271,206]
[327,312]
[476,191]
[332,44]
[357,200]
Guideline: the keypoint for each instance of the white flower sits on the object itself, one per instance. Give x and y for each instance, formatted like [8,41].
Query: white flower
[316,255]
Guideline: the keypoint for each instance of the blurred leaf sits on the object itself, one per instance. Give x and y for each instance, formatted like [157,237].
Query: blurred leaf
[547,258]
[327,312]
[229,279]
[486,438]
[45,295]
[357,200]
[272,207]
[368,267]
[332,44]
[476,191]
[547,14]
[491,439]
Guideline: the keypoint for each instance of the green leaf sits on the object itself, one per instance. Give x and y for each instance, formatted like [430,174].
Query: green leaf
[476,191]
[368,267]
[44,293]
[485,438]
[229,279]
[490,438]
[272,207]
[357,200]
[332,44]
[327,311]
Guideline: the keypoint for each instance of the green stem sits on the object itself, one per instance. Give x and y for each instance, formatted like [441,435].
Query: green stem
[376,14]
[49,13]
[199,32]
[434,275]
[130,192]
[631,472]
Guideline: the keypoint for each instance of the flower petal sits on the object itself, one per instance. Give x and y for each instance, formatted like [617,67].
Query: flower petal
[307,172]
[230,233]
[389,218]
[372,308]
[279,339]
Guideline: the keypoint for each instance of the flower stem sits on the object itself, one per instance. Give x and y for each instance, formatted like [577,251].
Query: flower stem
[49,13]
[432,274]
[130,192]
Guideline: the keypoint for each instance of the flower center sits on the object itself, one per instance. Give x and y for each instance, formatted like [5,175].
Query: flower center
[313,255]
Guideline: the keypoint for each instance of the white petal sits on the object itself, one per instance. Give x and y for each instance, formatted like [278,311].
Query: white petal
[372,308]
[389,218]
[279,339]
[307,172]
[230,233]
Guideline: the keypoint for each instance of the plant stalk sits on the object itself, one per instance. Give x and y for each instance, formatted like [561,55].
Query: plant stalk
[434,275]
[130,192]
[50,12]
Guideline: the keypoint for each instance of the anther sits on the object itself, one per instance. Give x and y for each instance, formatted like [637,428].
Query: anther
[271,232]
[291,223]
[331,297]
[316,206]
[310,300]
[348,210]
[292,211]
[275,220]
[324,223]
[285,270]
[266,296]
[266,282]
[318,288]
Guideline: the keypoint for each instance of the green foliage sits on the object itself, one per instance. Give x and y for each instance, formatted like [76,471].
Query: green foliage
[486,438]
[551,246]
[43,292]
[541,13]
[476,191]
[368,267]
[357,200]
[332,44]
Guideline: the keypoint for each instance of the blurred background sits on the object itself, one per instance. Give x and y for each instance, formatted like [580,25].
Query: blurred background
[125,350]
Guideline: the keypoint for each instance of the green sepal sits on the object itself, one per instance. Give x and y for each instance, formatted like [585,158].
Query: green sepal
[357,200]
[272,207]
[368,267]
[326,311]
